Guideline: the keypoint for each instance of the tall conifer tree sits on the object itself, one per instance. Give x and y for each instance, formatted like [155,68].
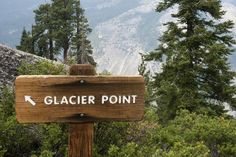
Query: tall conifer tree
[80,42]
[63,19]
[196,74]
[26,43]
[60,26]
[43,32]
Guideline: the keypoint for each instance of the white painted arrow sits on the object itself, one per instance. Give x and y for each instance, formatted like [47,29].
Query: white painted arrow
[29,99]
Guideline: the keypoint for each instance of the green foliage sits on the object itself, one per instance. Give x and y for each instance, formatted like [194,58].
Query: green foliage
[15,139]
[26,42]
[19,140]
[81,44]
[42,67]
[189,134]
[7,102]
[60,27]
[185,150]
[142,69]
[197,135]
[46,154]
[122,138]
[43,32]
[53,139]
[104,132]
[129,150]
[105,72]
[62,17]
[196,74]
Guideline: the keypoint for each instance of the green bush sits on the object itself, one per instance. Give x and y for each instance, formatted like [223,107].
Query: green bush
[123,138]
[42,67]
[196,135]
[189,134]
[15,139]
[18,140]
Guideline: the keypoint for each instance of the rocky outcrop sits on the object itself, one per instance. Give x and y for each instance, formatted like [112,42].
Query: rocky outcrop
[10,60]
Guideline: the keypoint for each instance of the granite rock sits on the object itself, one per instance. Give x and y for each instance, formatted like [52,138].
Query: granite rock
[10,60]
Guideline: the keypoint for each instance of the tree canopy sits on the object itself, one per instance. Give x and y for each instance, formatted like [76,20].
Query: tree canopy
[60,28]
[196,74]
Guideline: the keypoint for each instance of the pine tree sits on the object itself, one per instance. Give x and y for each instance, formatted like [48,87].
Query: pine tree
[26,43]
[143,70]
[81,44]
[60,27]
[62,13]
[195,48]
[43,32]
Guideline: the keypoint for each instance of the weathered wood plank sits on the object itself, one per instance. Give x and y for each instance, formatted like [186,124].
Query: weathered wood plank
[39,87]
[50,80]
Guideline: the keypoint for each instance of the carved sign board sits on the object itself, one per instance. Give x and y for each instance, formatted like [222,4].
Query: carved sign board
[79,98]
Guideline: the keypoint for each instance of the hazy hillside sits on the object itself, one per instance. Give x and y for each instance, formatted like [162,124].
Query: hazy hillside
[121,29]
[119,40]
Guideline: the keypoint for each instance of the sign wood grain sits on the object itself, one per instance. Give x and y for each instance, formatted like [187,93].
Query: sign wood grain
[79,98]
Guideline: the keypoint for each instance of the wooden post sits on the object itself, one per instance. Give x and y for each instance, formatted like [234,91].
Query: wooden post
[81,134]
[118,99]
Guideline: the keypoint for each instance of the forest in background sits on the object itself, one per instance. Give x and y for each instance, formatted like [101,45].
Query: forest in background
[60,28]
[184,113]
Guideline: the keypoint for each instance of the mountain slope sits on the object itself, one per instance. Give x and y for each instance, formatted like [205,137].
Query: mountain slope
[119,40]
[119,35]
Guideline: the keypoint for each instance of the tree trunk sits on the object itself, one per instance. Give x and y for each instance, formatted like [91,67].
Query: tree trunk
[51,45]
[65,52]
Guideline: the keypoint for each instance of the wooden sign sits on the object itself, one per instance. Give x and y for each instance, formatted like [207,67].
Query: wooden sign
[79,98]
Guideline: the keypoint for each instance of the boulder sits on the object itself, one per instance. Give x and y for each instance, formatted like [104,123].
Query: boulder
[10,60]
